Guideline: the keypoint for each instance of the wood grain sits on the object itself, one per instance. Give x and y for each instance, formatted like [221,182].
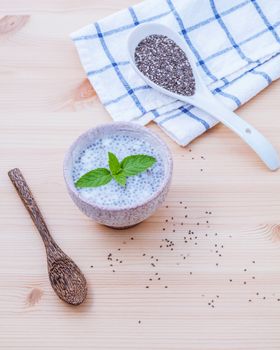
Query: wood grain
[11,24]
[205,306]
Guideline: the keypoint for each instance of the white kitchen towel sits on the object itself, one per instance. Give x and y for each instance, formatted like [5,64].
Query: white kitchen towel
[236,45]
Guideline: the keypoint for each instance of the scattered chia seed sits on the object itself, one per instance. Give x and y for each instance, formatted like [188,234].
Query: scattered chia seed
[152,259]
[162,61]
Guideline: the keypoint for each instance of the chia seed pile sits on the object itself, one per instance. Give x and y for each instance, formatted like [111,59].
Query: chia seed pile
[138,188]
[162,61]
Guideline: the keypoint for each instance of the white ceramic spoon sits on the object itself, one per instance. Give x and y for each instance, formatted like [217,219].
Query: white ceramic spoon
[203,98]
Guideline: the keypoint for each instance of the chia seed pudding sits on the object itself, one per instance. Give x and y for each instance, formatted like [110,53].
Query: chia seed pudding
[162,61]
[138,188]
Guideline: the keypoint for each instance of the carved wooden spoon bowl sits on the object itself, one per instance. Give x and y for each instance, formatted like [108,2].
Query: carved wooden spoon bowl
[66,278]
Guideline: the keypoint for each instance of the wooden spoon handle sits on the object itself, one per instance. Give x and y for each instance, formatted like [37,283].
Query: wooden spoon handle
[30,204]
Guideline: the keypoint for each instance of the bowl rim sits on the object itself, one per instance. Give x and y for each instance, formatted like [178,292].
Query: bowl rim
[168,161]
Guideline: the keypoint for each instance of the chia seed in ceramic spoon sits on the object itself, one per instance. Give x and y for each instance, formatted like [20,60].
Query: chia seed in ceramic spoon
[162,61]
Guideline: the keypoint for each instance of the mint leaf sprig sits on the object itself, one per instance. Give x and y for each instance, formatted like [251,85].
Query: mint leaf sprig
[119,171]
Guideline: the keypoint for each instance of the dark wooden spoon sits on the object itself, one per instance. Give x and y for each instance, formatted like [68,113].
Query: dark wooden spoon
[66,278]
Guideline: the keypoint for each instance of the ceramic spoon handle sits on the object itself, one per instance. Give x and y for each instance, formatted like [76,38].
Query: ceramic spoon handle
[30,204]
[248,133]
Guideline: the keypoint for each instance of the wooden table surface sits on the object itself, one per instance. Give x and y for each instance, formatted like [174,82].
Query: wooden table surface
[217,288]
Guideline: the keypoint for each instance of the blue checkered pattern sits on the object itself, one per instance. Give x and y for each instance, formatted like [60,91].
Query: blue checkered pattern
[236,45]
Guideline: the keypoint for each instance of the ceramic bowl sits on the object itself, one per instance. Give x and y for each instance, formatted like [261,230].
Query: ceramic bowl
[131,215]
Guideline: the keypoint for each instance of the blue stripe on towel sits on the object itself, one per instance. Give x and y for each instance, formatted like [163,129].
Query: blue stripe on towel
[122,28]
[270,27]
[188,112]
[223,13]
[186,37]
[119,98]
[264,75]
[103,69]
[128,88]
[227,32]
[245,41]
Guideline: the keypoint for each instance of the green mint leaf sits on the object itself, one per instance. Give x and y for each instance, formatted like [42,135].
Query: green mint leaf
[94,178]
[120,178]
[136,164]
[114,163]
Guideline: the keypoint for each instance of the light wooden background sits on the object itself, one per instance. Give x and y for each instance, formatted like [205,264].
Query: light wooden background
[212,302]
